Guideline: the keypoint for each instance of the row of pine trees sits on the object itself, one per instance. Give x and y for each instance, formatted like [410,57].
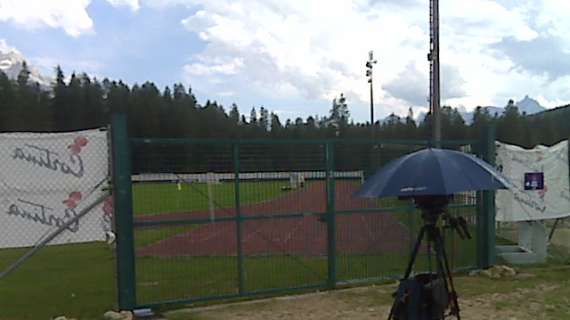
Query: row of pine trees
[83,102]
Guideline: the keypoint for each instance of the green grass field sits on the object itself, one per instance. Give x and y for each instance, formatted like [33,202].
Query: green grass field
[161,198]
[76,280]
[157,198]
[79,280]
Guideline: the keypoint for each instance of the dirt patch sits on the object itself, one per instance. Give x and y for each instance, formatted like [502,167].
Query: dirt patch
[374,303]
[356,304]
[522,304]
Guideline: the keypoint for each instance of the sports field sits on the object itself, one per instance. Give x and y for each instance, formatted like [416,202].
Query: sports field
[80,278]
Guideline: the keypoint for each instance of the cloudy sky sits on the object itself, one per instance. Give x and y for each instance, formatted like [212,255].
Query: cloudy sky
[294,56]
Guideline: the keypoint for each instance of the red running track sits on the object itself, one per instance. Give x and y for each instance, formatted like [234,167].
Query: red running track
[357,233]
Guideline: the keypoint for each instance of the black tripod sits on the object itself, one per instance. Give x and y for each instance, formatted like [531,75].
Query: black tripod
[429,296]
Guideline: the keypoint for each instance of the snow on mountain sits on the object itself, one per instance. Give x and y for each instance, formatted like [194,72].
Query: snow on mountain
[494,110]
[526,105]
[11,62]
[393,118]
[529,105]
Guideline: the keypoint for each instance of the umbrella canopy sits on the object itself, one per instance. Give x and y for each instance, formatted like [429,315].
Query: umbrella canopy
[432,172]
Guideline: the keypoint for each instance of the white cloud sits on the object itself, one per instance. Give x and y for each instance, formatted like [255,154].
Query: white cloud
[47,65]
[410,86]
[211,67]
[315,50]
[132,4]
[310,50]
[301,48]
[552,16]
[69,15]
[6,48]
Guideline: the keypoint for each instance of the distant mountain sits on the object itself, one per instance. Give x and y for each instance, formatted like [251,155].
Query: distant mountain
[530,106]
[393,118]
[468,115]
[527,105]
[11,61]
[493,111]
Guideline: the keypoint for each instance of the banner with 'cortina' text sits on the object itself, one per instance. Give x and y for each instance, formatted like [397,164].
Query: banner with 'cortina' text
[540,182]
[46,179]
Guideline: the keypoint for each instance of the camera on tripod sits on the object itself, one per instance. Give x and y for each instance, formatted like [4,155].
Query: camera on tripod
[427,296]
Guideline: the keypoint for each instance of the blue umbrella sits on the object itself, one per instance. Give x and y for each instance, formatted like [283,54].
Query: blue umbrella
[432,172]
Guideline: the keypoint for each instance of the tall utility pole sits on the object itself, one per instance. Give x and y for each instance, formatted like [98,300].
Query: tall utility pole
[369,66]
[433,57]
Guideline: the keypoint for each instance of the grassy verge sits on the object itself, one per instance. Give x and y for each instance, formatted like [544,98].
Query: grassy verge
[194,277]
[74,280]
[80,279]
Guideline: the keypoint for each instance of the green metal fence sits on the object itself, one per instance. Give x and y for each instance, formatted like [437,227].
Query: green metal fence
[202,220]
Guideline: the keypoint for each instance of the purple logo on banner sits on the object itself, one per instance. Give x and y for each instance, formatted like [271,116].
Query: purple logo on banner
[534,181]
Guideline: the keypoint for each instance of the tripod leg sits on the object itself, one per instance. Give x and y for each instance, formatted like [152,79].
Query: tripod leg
[410,266]
[393,308]
[415,253]
[447,273]
[440,266]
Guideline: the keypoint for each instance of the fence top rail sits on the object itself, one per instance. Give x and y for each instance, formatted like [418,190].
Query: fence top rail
[178,141]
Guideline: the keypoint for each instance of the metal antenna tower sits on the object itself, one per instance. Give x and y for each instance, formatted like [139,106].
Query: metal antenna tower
[369,66]
[433,57]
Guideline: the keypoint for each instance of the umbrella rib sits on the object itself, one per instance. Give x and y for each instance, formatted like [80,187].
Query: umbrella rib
[489,168]
[467,174]
[396,168]
[491,175]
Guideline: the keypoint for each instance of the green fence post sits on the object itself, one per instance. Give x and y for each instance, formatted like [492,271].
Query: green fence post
[486,222]
[123,200]
[331,214]
[240,266]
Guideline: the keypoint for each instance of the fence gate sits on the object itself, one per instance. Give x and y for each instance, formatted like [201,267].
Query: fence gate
[201,219]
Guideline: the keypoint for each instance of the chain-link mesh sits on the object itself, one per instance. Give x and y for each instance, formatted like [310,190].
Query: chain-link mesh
[185,245]
[463,252]
[284,236]
[375,237]
[56,225]
[213,219]
[219,219]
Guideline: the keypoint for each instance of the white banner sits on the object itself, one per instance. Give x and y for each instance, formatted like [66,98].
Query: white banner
[46,180]
[540,182]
